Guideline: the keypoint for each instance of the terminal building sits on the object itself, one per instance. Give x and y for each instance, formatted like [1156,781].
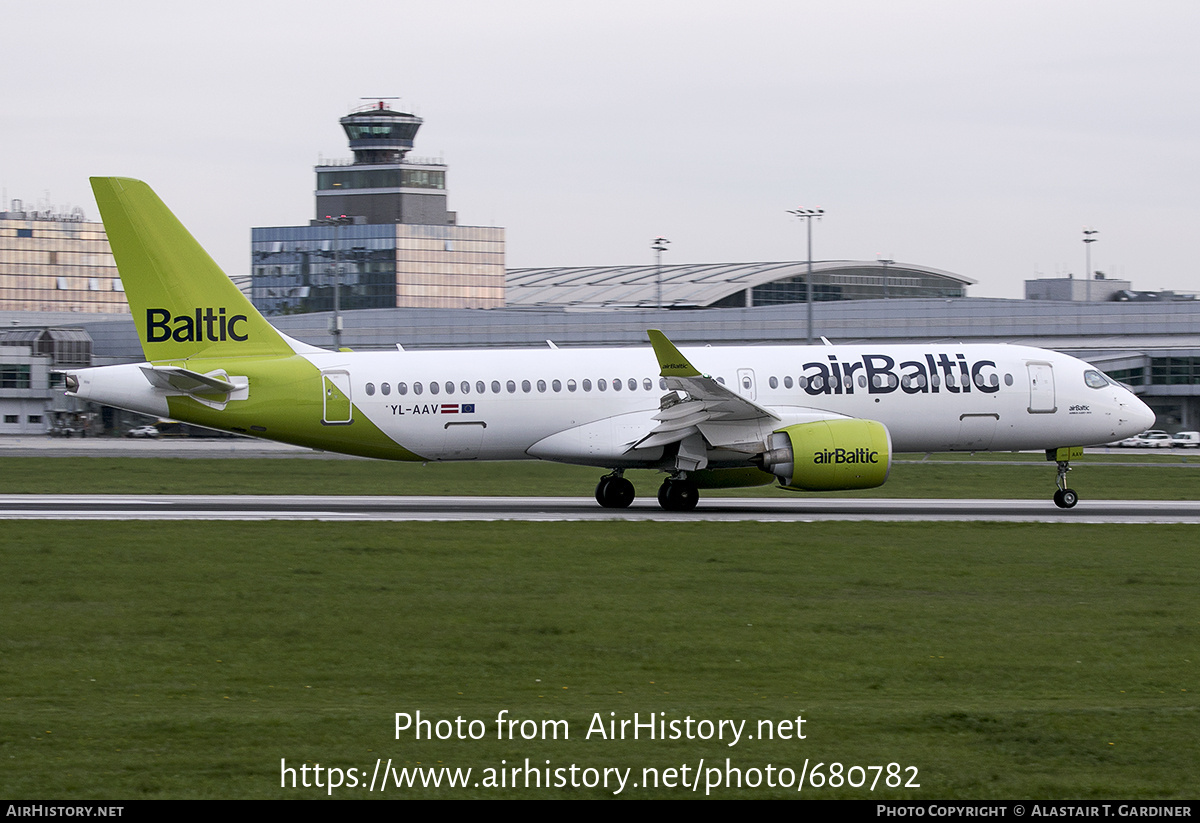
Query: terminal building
[726,285]
[56,263]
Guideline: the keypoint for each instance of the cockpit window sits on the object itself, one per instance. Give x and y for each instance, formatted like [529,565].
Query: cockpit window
[1095,379]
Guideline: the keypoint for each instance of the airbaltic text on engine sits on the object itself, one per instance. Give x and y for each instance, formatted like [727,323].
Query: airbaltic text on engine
[205,325]
[859,455]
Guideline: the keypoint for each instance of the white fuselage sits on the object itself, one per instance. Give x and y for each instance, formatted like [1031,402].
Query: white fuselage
[564,404]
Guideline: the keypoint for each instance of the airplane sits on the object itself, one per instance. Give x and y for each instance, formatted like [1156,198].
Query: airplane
[809,418]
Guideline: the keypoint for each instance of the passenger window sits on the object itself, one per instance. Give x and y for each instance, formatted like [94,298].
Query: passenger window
[802,382]
[434,388]
[525,387]
[417,389]
[617,384]
[482,389]
[541,384]
[647,384]
[862,381]
[787,381]
[401,388]
[465,387]
[570,385]
[662,384]
[370,389]
[773,382]
[633,384]
[587,384]
[511,386]
[601,384]
[1008,381]
[386,388]
[449,387]
[556,385]
[495,387]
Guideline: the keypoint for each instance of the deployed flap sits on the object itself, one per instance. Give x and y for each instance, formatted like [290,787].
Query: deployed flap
[707,401]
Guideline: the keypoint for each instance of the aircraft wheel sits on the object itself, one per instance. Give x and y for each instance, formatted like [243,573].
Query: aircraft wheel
[1066,498]
[602,491]
[614,492]
[678,495]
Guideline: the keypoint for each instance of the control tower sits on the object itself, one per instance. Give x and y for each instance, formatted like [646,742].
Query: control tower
[391,241]
[380,185]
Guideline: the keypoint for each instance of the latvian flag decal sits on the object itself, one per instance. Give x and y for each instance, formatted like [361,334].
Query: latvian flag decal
[455,408]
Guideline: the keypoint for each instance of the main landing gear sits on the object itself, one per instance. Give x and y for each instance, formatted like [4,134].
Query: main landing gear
[1064,498]
[678,494]
[614,491]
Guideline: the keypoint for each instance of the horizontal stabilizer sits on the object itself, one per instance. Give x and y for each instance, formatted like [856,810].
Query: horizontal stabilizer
[173,378]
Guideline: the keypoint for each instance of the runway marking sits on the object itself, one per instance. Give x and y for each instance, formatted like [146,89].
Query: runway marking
[549,509]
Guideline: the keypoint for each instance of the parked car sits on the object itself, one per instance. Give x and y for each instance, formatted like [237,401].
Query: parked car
[142,431]
[1186,440]
[1152,439]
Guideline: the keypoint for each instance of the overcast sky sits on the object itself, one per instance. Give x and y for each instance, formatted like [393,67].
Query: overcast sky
[972,136]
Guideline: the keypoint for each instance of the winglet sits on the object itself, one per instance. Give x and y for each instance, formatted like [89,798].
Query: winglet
[670,361]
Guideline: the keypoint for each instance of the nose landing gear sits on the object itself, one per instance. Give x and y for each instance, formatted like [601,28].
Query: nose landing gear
[1064,498]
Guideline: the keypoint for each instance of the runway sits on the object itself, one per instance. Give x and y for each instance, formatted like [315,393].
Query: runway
[551,509]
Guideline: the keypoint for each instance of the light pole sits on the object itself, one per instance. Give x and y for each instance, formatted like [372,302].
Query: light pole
[886,262]
[659,245]
[1088,240]
[335,322]
[807,216]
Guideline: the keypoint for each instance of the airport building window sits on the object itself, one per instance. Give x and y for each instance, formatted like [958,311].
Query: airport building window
[14,377]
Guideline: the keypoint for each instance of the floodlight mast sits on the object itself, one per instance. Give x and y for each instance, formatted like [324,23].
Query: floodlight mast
[1088,240]
[807,216]
[659,244]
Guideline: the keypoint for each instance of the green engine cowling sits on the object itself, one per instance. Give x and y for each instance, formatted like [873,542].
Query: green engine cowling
[829,455]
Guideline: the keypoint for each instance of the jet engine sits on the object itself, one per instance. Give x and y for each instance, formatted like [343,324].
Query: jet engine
[829,455]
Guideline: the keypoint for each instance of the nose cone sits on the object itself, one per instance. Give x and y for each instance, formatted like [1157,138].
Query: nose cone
[1142,416]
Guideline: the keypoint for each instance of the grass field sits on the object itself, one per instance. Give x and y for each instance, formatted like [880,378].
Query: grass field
[174,660]
[1021,476]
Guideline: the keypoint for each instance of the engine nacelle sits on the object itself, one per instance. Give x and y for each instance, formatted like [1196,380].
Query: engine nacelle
[829,455]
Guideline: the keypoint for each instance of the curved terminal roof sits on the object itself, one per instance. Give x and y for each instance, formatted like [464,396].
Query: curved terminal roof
[725,284]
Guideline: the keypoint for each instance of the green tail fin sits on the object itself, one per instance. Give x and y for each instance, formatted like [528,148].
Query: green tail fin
[183,304]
